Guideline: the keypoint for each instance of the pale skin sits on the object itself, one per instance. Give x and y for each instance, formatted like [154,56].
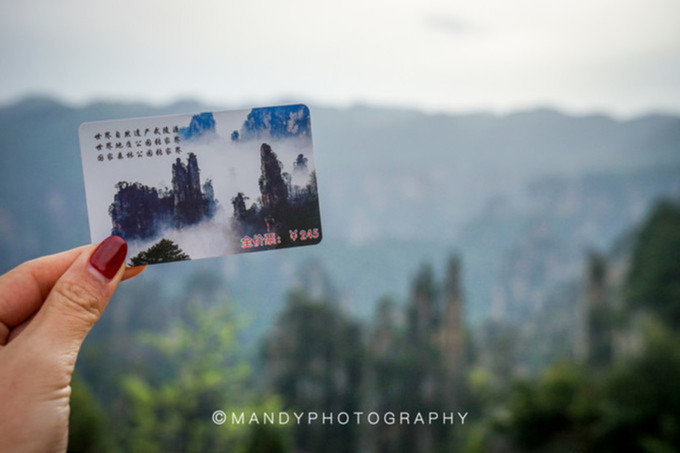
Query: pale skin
[47,307]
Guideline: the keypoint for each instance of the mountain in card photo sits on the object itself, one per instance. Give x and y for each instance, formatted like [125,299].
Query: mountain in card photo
[275,123]
[141,212]
[289,211]
[201,125]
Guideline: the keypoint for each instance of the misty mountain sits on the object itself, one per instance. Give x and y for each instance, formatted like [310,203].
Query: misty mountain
[200,125]
[279,122]
[512,193]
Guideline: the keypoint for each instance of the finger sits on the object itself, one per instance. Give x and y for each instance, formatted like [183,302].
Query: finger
[8,332]
[17,330]
[131,272]
[4,334]
[78,298]
[33,281]
[24,288]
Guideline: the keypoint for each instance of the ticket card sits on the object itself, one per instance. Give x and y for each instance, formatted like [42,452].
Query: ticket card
[200,185]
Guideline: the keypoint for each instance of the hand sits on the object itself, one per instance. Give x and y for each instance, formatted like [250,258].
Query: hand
[47,307]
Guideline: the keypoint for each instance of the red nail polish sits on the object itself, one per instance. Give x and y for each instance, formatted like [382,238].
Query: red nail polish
[109,256]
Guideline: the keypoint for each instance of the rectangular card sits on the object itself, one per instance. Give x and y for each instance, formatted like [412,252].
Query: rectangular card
[184,187]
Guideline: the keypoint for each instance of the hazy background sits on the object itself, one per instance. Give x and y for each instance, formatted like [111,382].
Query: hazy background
[536,143]
[618,56]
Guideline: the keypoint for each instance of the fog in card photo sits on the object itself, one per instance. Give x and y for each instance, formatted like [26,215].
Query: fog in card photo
[194,186]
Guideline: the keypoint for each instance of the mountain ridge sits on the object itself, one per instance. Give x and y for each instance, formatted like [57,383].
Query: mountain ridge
[396,187]
[192,105]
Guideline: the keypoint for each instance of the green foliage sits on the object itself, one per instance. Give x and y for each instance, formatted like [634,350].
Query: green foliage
[205,372]
[654,278]
[558,407]
[267,439]
[314,359]
[88,429]
[164,251]
[632,405]
[317,360]
[641,407]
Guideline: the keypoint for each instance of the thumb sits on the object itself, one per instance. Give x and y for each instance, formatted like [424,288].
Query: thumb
[79,297]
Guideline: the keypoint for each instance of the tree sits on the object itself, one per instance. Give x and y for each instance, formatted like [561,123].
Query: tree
[555,411]
[88,431]
[313,359]
[203,371]
[654,277]
[164,251]
[641,408]
[630,405]
[423,313]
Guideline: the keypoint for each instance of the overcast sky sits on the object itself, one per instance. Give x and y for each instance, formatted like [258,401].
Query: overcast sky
[621,56]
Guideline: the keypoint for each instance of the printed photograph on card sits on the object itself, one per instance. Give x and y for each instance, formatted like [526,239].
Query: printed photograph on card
[201,185]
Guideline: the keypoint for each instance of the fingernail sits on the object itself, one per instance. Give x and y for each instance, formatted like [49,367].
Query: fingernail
[109,256]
